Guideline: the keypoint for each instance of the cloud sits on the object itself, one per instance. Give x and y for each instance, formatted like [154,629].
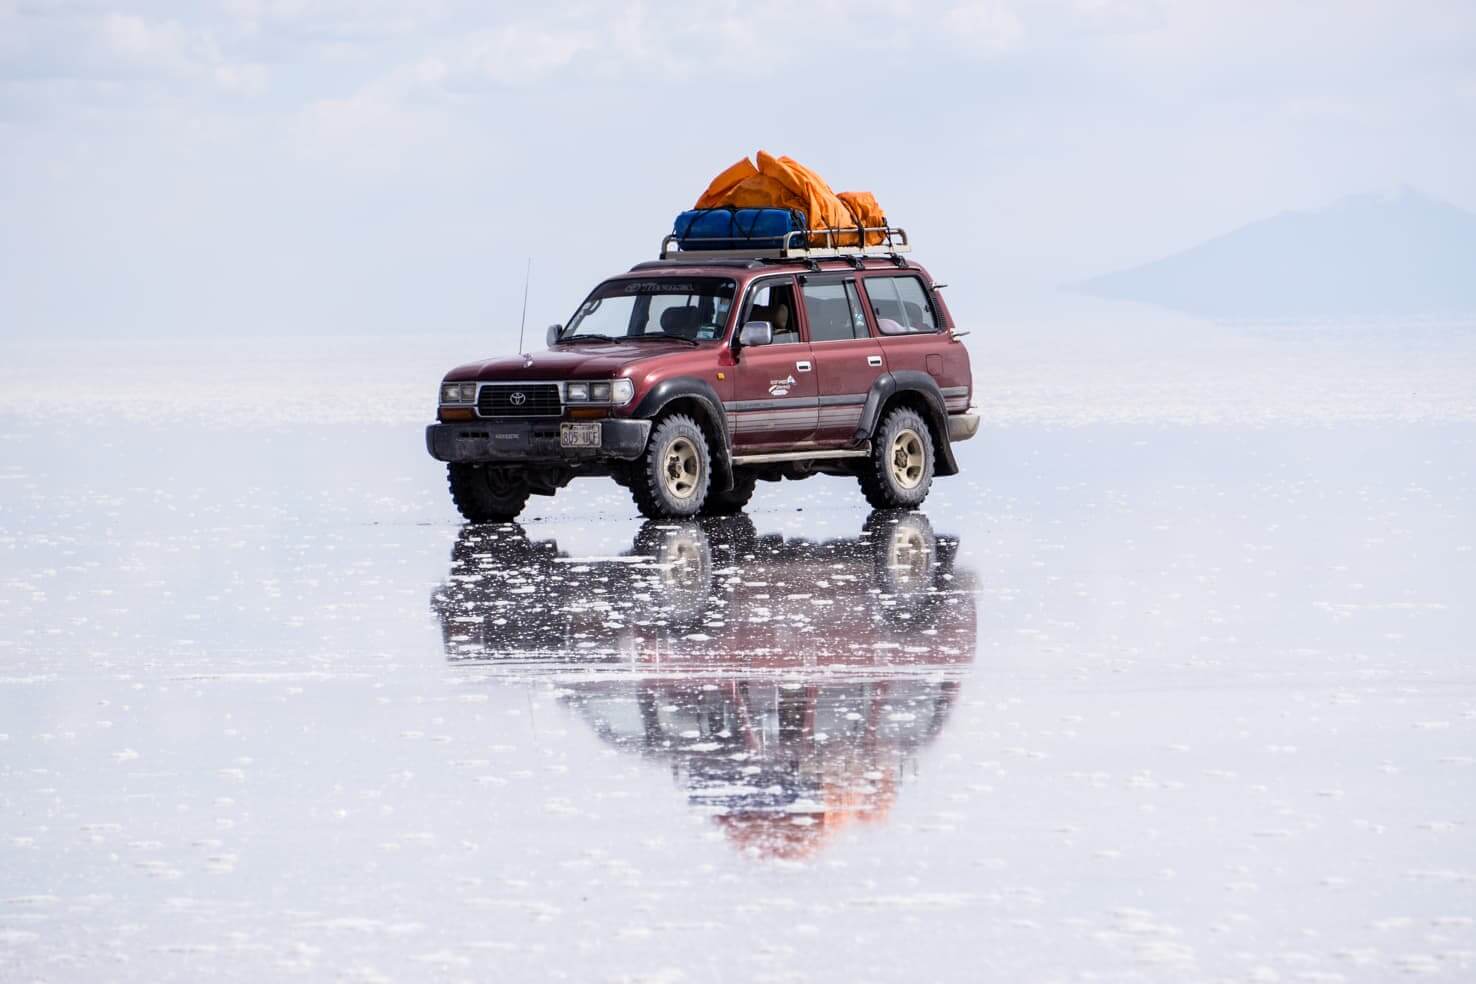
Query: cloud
[1099,17]
[155,45]
[68,45]
[515,54]
[728,39]
[983,28]
[377,127]
[241,78]
[336,20]
[169,49]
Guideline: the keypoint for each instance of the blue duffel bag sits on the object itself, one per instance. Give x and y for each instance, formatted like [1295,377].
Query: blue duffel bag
[738,228]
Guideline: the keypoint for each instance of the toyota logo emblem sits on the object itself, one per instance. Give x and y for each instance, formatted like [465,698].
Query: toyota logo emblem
[518,399]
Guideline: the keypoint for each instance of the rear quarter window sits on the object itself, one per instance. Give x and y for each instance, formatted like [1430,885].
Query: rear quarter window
[901,305]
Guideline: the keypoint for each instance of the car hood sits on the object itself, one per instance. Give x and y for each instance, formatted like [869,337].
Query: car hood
[594,360]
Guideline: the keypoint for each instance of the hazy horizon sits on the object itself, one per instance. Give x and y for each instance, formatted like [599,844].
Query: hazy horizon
[293,168]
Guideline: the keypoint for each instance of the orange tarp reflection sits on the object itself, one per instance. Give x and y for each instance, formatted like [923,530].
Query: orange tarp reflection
[792,836]
[783,182]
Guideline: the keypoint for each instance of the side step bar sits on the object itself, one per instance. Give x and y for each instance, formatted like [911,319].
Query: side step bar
[764,459]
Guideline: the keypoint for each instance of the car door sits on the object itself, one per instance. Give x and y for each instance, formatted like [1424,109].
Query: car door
[775,396]
[847,358]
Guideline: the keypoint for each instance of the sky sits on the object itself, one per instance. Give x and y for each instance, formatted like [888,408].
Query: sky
[290,167]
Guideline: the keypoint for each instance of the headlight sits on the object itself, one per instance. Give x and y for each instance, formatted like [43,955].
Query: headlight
[614,391]
[458,392]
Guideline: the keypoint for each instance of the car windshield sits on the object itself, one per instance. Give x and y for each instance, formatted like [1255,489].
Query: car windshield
[693,309]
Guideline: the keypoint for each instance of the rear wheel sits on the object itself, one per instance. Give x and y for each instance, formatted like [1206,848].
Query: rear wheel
[671,479]
[485,493]
[727,503]
[900,469]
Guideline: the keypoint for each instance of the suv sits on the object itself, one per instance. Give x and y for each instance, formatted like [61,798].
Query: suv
[691,378]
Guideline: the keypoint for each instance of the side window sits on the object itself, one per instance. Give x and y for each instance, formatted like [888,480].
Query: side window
[774,303]
[901,305]
[834,312]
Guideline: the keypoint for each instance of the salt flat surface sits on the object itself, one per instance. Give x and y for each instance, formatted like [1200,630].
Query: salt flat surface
[1157,690]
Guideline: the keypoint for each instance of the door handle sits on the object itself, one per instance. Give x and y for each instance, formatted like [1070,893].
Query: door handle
[873,360]
[802,366]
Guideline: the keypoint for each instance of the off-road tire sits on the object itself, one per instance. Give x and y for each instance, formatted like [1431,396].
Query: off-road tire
[728,503]
[484,494]
[900,470]
[670,481]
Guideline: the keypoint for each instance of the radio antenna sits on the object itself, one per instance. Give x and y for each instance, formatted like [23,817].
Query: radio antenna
[527,275]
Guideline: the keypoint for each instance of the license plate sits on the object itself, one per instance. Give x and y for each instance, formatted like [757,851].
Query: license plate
[579,435]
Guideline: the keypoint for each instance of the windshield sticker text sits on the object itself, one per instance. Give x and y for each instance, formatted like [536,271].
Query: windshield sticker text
[658,287]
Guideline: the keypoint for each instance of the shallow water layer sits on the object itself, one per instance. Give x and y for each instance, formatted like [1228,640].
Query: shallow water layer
[1123,702]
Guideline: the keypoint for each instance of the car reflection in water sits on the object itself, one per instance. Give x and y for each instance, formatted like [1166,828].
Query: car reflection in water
[789,683]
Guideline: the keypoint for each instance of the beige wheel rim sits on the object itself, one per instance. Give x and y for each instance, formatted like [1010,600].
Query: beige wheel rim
[907,459]
[681,468]
[908,556]
[683,557]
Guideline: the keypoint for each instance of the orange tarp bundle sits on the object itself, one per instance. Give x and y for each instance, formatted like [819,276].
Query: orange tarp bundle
[783,182]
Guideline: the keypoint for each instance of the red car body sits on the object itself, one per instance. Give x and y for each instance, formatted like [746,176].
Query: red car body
[767,411]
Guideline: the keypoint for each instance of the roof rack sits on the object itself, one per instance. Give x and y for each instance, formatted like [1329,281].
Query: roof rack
[695,259]
[894,242]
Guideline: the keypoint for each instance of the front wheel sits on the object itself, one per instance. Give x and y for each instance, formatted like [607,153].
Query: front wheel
[900,470]
[487,494]
[671,479]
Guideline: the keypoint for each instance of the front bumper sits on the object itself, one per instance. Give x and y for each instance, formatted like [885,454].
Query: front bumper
[510,441]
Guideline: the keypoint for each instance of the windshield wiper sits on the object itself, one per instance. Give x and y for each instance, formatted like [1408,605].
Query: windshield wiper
[665,337]
[591,337]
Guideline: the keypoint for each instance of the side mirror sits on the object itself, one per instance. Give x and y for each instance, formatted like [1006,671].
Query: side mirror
[756,333]
[553,334]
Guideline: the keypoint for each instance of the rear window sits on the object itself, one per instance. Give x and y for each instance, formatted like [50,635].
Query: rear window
[901,305]
[834,312]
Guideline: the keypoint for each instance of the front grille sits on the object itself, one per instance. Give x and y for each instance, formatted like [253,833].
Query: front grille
[502,400]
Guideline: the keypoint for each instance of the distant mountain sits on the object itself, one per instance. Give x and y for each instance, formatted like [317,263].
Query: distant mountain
[1372,255]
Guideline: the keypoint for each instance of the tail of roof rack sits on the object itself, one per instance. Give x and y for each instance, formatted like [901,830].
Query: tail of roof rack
[894,242]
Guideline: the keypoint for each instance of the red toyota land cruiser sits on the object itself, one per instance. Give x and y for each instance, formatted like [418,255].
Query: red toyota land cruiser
[692,377]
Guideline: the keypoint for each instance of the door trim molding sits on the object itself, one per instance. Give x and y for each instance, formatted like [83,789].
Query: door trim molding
[779,403]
